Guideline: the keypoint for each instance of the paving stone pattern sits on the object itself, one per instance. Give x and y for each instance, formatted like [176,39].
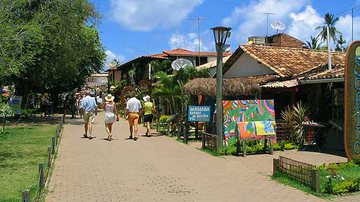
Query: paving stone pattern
[158,168]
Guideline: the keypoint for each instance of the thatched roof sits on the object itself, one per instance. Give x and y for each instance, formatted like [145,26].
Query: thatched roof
[231,86]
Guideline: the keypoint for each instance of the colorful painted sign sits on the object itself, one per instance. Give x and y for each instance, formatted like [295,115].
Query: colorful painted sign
[199,113]
[352,102]
[236,111]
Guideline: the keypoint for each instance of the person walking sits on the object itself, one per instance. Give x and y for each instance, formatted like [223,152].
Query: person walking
[111,114]
[148,114]
[89,106]
[133,107]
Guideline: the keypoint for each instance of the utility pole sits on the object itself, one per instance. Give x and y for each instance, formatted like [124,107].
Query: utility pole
[352,24]
[267,21]
[199,19]
[328,46]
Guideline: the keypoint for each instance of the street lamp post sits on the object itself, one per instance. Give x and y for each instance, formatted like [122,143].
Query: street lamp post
[220,35]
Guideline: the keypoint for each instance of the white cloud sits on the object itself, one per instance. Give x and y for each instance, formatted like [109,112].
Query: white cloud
[143,15]
[249,20]
[189,41]
[110,56]
[344,26]
[304,23]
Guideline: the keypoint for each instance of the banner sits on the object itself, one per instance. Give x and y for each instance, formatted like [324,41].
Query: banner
[236,111]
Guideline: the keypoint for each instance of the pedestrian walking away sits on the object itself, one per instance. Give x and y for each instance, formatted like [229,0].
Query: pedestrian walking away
[89,106]
[148,114]
[133,107]
[111,114]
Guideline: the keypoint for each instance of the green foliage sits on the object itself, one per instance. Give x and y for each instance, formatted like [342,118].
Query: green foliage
[56,39]
[313,43]
[330,21]
[5,112]
[339,178]
[170,86]
[163,118]
[293,117]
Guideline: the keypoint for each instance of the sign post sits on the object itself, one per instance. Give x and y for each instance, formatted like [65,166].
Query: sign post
[199,114]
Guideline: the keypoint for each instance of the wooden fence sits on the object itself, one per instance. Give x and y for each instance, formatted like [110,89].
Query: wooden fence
[302,172]
[44,171]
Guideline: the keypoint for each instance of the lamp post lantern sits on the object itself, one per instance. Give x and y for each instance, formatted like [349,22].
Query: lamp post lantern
[220,36]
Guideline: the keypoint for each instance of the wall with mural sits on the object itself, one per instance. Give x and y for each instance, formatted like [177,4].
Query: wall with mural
[253,117]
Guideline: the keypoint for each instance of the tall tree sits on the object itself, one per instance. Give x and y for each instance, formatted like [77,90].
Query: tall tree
[330,21]
[340,44]
[313,43]
[57,38]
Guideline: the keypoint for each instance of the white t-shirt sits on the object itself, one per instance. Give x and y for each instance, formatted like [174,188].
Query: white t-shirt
[133,105]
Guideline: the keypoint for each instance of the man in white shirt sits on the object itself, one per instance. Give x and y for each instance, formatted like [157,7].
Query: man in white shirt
[89,106]
[133,107]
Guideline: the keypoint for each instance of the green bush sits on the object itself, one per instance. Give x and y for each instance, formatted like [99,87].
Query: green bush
[163,118]
[347,186]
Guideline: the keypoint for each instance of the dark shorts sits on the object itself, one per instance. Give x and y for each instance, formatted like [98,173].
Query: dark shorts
[148,118]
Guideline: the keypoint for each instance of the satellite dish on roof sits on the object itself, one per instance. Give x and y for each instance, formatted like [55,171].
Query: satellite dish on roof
[181,63]
[278,26]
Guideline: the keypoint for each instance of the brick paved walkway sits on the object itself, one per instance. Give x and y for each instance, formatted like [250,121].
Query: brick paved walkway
[159,168]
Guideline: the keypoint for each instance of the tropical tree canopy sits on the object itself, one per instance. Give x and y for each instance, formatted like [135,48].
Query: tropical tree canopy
[313,43]
[330,21]
[48,45]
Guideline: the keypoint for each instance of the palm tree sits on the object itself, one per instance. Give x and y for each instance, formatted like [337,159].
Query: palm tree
[330,22]
[340,44]
[313,43]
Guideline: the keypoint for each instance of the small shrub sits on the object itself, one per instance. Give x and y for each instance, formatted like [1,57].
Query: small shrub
[346,187]
[163,118]
[329,186]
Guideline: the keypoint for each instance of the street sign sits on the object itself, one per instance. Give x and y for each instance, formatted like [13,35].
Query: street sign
[199,113]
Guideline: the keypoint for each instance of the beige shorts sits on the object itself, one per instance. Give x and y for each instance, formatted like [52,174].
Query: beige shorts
[89,117]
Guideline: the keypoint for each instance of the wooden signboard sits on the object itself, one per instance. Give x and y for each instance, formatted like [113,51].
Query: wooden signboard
[352,102]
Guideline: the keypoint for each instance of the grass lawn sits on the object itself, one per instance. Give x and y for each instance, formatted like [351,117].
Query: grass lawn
[22,148]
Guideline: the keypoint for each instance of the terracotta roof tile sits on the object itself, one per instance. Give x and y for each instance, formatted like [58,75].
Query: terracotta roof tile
[184,52]
[287,61]
[336,72]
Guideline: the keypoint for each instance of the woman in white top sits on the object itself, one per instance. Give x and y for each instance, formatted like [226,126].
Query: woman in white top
[111,114]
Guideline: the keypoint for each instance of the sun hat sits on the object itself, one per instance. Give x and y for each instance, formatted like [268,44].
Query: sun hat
[109,97]
[146,98]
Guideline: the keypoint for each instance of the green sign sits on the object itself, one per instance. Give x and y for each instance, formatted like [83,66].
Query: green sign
[352,102]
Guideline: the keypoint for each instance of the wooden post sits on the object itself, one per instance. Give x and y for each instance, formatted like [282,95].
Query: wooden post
[168,129]
[41,176]
[315,180]
[158,125]
[271,147]
[203,140]
[275,166]
[49,157]
[237,140]
[244,148]
[26,195]
[53,143]
[196,130]
[265,144]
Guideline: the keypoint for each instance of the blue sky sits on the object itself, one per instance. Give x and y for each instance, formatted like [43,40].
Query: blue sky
[131,28]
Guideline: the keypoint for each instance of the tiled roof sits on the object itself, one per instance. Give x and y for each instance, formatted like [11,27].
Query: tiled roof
[157,56]
[335,72]
[184,52]
[211,64]
[260,79]
[282,84]
[285,61]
